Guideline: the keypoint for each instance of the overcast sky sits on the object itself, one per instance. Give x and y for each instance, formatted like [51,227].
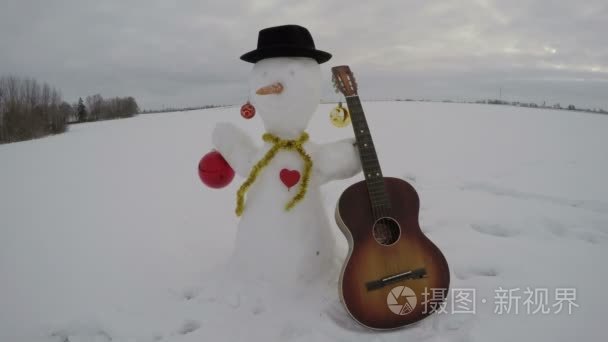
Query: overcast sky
[186,52]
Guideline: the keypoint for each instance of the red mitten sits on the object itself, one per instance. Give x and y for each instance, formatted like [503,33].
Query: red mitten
[214,170]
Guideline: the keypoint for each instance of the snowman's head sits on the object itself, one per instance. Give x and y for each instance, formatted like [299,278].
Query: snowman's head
[286,92]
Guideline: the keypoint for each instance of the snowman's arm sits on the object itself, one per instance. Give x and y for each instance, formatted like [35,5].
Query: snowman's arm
[337,160]
[235,146]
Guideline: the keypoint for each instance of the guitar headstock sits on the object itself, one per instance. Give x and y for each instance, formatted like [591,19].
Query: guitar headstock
[344,80]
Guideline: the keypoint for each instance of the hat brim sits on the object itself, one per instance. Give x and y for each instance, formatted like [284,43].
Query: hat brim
[285,51]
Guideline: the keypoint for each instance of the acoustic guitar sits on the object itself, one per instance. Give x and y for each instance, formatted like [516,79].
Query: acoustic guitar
[394,275]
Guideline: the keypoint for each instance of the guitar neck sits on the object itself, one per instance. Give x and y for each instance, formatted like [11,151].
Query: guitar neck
[367,154]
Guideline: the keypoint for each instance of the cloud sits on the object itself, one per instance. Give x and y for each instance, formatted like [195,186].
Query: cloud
[180,53]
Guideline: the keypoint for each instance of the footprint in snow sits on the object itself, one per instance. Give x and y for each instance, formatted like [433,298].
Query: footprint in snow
[190,294]
[561,231]
[188,327]
[591,237]
[69,335]
[258,308]
[464,273]
[494,230]
[591,205]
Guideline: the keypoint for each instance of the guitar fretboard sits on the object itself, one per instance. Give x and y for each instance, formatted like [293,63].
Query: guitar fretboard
[367,153]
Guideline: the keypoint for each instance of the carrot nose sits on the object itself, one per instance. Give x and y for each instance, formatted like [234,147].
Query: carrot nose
[275,88]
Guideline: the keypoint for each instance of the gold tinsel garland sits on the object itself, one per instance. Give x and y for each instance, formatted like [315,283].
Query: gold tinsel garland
[278,144]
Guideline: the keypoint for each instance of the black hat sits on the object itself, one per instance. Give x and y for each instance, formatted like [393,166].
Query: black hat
[285,41]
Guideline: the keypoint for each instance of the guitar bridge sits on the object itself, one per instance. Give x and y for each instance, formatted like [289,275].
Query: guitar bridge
[380,283]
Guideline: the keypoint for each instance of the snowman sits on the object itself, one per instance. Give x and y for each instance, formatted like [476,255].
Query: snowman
[284,236]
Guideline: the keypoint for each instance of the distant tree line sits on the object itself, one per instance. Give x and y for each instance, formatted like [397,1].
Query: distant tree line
[184,109]
[518,104]
[29,109]
[97,108]
[544,105]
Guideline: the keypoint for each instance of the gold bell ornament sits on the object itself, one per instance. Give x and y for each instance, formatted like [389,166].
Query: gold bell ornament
[339,116]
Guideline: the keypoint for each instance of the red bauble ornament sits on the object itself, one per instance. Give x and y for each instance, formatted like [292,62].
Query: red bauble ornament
[247,110]
[214,170]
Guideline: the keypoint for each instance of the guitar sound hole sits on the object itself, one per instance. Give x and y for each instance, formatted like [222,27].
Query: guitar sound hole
[386,231]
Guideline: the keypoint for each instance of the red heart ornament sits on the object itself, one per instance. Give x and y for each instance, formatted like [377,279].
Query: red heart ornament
[289,177]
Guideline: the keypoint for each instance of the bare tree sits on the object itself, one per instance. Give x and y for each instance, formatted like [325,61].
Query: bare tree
[95,105]
[29,110]
[68,111]
[117,107]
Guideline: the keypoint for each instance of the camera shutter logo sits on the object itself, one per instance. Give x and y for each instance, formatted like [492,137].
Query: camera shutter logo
[399,305]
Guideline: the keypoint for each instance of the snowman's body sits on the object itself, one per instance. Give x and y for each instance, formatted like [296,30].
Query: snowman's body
[285,247]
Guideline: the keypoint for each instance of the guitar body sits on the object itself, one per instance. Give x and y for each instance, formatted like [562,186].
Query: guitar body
[375,273]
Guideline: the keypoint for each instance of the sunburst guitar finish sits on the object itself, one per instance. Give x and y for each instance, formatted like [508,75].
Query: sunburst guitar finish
[369,260]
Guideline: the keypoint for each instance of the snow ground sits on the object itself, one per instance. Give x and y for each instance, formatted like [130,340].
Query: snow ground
[106,233]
